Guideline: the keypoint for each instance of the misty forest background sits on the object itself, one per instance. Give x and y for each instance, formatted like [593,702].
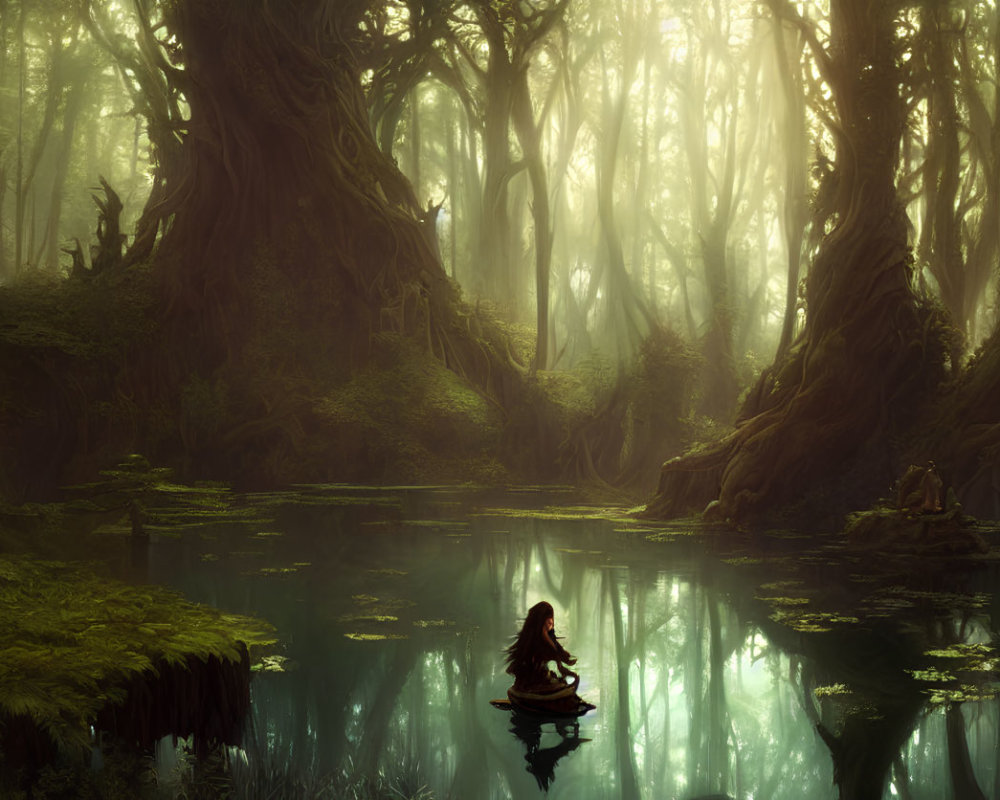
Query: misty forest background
[275,242]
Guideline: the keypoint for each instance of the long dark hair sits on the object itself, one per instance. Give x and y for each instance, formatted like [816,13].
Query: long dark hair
[531,646]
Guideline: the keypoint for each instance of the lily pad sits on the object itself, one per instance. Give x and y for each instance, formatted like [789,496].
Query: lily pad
[274,663]
[832,690]
[380,618]
[374,637]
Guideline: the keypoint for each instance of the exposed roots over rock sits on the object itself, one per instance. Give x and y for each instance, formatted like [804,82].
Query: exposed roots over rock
[962,433]
[822,428]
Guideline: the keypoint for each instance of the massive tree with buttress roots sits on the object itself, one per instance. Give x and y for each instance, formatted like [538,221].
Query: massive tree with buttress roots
[290,243]
[823,422]
[278,147]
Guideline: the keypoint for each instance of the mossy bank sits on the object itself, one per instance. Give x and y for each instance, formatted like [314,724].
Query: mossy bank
[82,655]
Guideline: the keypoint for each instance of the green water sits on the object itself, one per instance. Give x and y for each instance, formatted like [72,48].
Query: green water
[714,660]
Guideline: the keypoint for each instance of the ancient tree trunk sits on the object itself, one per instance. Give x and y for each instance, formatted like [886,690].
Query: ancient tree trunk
[7,111]
[629,318]
[827,413]
[292,245]
[713,204]
[528,136]
[984,140]
[50,244]
[495,231]
[795,216]
[19,171]
[155,86]
[940,240]
[279,154]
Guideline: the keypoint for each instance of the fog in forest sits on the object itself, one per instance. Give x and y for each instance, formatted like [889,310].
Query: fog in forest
[629,164]
[337,334]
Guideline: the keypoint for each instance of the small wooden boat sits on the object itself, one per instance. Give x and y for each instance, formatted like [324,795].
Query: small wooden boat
[562,701]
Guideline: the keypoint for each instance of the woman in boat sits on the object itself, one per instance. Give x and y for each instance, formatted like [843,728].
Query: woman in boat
[536,687]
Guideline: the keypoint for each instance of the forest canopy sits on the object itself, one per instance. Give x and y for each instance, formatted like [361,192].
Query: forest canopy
[694,213]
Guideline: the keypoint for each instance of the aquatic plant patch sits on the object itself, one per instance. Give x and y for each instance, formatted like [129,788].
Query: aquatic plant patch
[811,622]
[271,571]
[306,497]
[832,690]
[619,515]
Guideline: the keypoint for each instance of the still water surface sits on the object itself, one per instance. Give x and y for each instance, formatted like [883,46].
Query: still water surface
[718,665]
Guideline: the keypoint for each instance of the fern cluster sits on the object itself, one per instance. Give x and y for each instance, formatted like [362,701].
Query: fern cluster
[70,641]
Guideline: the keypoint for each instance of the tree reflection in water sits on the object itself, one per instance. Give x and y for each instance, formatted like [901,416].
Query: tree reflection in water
[716,669]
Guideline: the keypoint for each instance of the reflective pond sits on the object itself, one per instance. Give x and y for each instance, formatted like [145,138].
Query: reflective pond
[768,667]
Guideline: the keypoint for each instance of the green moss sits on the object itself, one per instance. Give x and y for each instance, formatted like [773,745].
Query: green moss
[893,530]
[70,641]
[407,415]
[90,319]
[205,407]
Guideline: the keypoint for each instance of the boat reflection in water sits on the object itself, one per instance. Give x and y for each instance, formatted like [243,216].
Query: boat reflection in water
[779,667]
[558,709]
[542,760]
